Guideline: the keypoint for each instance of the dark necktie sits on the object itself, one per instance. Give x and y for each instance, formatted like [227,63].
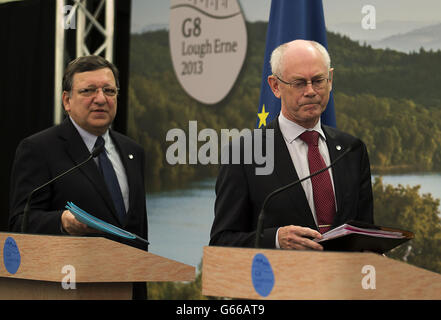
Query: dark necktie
[111,181]
[323,193]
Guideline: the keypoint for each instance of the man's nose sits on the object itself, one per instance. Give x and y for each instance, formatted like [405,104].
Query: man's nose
[100,97]
[309,90]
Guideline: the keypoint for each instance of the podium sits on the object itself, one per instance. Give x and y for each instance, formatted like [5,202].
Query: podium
[313,275]
[65,267]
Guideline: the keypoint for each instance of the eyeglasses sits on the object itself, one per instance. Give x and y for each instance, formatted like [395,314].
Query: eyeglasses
[92,91]
[300,84]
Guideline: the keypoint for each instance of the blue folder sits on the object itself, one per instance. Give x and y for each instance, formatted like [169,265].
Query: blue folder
[99,224]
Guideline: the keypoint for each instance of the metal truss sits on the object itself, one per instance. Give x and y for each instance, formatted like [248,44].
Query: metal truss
[77,18]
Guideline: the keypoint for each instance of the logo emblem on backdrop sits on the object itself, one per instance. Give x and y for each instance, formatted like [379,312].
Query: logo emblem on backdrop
[208,43]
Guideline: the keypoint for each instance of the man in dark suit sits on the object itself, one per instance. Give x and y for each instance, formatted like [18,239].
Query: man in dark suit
[302,79]
[90,90]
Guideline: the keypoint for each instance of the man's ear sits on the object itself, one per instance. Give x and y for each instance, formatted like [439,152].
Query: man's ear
[66,101]
[274,85]
[331,76]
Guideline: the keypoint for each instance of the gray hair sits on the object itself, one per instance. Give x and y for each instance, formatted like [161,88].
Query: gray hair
[86,63]
[278,53]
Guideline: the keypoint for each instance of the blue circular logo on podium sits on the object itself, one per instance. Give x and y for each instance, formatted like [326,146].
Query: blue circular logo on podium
[262,275]
[11,255]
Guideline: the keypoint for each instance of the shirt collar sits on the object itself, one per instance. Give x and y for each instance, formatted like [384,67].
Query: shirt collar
[88,138]
[291,130]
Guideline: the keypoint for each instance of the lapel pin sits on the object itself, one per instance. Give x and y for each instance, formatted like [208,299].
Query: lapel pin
[338,147]
[130,156]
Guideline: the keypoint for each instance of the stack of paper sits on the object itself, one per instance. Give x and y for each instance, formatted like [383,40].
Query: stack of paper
[348,229]
[359,236]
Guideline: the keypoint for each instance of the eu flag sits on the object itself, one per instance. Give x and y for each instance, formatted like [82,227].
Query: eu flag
[290,20]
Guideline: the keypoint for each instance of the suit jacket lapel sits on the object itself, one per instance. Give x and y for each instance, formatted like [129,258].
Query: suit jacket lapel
[78,152]
[335,148]
[286,173]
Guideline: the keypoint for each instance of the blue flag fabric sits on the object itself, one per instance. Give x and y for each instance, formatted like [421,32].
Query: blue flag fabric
[290,20]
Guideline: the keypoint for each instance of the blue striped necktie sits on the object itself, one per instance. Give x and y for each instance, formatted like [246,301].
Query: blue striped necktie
[111,181]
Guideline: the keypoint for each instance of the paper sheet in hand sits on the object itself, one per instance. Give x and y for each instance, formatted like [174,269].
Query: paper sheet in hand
[96,223]
[358,236]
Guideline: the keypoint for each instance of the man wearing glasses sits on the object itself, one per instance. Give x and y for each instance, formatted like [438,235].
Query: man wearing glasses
[110,187]
[302,79]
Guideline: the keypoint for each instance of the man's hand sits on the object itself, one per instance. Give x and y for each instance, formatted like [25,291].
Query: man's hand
[74,227]
[299,238]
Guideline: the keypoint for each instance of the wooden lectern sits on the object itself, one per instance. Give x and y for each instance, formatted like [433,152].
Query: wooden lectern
[37,266]
[282,274]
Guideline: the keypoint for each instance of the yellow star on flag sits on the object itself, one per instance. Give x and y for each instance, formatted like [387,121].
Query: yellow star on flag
[262,116]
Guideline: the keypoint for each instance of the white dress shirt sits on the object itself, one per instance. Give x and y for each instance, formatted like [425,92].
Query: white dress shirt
[298,150]
[113,155]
